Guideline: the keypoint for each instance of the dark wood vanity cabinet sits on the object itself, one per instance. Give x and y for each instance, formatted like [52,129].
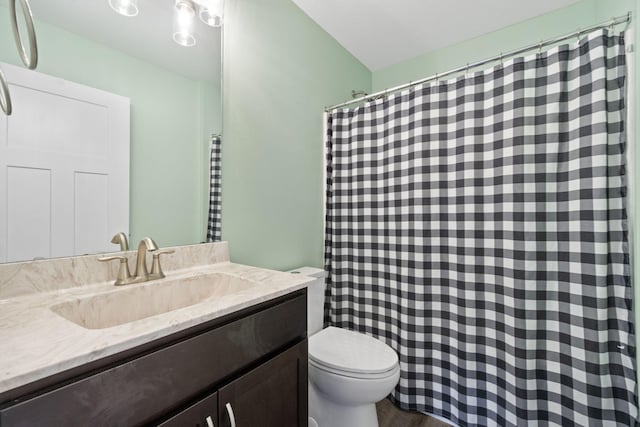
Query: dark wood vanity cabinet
[254,360]
[272,395]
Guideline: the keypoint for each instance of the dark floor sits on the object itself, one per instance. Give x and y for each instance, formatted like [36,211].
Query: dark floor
[390,416]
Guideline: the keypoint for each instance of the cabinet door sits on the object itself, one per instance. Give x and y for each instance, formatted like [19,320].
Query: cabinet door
[272,395]
[202,414]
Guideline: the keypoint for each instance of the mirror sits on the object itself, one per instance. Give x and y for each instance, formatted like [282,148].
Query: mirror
[175,107]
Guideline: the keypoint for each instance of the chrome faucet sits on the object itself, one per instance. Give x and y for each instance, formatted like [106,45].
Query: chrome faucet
[141,273]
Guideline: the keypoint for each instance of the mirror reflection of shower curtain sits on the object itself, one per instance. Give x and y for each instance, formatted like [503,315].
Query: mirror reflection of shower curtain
[215,191]
[479,227]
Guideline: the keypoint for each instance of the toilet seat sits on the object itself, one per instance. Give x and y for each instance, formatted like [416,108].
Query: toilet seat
[352,354]
[360,376]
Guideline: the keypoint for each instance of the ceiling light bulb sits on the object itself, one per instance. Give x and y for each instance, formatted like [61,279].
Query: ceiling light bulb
[183,23]
[184,13]
[125,7]
[211,12]
[184,38]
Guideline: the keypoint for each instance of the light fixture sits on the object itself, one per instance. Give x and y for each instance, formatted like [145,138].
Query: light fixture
[210,12]
[125,7]
[183,23]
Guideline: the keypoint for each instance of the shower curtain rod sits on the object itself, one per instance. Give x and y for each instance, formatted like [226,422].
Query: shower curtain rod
[610,23]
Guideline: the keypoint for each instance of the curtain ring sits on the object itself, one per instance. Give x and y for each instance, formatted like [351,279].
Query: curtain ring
[5,97]
[540,48]
[30,59]
[466,73]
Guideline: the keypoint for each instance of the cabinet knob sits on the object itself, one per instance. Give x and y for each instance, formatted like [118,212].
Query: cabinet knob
[232,417]
[209,422]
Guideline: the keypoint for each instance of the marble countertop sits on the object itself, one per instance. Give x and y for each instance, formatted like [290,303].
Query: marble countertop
[37,343]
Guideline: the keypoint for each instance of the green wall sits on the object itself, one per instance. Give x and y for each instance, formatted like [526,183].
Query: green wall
[279,70]
[171,118]
[579,15]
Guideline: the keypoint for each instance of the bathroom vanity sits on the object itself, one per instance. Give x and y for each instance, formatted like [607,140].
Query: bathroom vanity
[238,357]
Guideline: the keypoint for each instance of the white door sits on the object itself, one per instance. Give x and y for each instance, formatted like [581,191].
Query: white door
[64,168]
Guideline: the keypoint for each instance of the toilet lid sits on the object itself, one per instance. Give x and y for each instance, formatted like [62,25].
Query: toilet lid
[350,351]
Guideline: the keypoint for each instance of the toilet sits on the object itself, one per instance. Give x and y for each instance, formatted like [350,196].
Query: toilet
[348,371]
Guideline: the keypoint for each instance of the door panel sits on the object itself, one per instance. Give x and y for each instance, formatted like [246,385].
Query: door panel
[28,213]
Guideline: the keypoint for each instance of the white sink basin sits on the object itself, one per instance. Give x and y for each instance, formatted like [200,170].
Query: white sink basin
[139,301]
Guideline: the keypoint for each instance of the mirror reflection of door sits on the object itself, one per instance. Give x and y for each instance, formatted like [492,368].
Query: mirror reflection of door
[65,155]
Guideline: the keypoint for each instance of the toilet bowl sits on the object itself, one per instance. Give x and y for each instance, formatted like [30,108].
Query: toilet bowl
[348,371]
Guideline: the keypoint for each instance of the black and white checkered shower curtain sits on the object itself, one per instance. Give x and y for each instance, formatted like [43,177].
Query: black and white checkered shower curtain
[478,226]
[214,230]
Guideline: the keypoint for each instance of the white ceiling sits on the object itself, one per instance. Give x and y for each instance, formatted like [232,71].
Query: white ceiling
[147,36]
[385,32]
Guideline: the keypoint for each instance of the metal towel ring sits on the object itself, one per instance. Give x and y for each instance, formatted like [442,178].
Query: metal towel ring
[5,97]
[30,59]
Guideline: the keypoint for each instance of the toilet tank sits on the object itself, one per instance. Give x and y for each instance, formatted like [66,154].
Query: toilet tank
[315,298]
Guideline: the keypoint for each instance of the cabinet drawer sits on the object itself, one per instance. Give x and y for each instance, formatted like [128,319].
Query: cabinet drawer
[143,389]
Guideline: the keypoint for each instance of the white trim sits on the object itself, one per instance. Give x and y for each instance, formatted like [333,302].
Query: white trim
[630,139]
[631,170]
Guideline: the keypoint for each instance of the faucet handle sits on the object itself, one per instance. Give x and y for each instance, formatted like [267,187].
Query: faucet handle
[124,276]
[156,269]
